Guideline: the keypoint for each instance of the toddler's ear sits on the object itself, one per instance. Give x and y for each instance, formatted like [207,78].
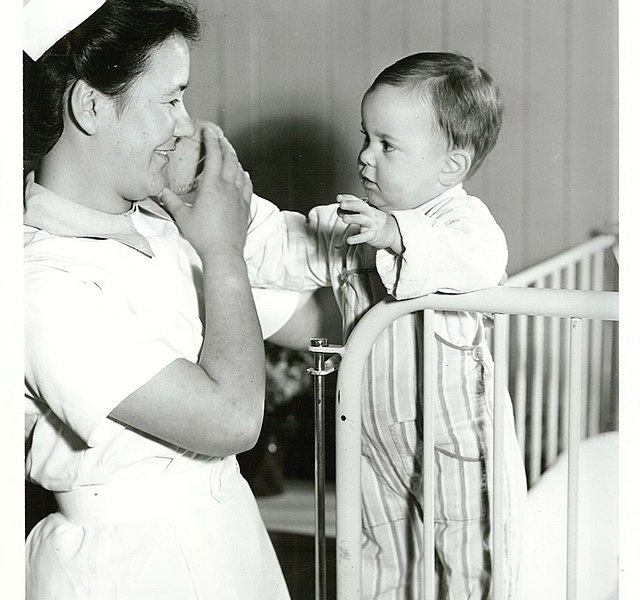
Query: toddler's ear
[455,168]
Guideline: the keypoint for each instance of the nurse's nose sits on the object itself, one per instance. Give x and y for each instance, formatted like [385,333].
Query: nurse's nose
[185,127]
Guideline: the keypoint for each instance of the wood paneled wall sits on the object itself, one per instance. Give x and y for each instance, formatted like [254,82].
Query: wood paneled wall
[284,78]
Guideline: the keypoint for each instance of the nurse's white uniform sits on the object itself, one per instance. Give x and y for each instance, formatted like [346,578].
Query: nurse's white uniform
[110,301]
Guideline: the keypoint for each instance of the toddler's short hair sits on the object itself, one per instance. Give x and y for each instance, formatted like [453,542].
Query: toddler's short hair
[464,97]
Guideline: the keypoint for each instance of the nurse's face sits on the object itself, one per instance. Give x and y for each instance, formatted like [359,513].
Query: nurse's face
[141,134]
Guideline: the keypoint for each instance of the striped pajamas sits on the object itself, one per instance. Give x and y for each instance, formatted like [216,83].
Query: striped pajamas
[392,472]
[392,492]
[298,254]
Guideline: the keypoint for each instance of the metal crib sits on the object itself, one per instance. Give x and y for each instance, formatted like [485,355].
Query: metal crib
[560,329]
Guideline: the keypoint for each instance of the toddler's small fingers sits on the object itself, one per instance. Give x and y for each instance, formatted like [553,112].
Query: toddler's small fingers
[344,197]
[346,215]
[343,211]
[359,238]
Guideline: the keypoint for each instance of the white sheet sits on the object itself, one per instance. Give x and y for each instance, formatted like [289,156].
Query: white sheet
[544,559]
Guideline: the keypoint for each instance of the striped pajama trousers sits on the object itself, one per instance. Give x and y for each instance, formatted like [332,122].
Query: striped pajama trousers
[392,476]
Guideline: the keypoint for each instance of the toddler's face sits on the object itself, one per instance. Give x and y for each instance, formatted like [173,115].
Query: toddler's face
[402,153]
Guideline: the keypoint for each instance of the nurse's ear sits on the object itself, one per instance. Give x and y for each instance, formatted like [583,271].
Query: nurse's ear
[455,167]
[83,106]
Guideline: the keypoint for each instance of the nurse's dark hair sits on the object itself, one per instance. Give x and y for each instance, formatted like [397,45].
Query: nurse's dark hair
[464,97]
[109,51]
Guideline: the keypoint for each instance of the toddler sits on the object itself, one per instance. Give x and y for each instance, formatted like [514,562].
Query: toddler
[428,122]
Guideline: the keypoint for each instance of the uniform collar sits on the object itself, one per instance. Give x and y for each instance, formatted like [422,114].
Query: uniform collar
[56,215]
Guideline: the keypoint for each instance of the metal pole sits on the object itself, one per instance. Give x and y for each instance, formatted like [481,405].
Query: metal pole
[499,391]
[320,545]
[575,400]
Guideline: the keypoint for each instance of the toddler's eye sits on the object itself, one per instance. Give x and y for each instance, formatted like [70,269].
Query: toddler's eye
[174,102]
[386,146]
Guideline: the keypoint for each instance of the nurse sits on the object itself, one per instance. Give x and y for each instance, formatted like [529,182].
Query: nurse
[144,364]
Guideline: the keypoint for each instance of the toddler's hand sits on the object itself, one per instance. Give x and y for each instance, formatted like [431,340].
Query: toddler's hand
[377,228]
[183,171]
[217,219]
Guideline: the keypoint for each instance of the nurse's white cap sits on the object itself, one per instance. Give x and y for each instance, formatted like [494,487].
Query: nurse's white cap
[46,21]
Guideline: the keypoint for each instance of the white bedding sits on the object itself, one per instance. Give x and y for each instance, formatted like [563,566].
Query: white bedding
[544,559]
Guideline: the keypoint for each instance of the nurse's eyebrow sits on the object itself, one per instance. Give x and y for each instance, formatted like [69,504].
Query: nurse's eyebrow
[178,88]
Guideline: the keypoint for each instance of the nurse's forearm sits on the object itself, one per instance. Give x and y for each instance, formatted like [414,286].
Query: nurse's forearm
[233,350]
[214,407]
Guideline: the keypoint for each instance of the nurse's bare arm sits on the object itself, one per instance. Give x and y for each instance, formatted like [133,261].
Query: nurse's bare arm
[214,407]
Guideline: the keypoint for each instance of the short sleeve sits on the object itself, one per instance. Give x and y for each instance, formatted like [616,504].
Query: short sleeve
[275,308]
[85,351]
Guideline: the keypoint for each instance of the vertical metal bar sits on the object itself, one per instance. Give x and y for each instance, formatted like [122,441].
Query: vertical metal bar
[584,277]
[499,391]
[565,330]
[348,484]
[320,546]
[607,371]
[507,348]
[521,381]
[584,283]
[598,270]
[551,448]
[614,383]
[570,279]
[535,451]
[575,405]
[584,388]
[570,284]
[594,366]
[594,374]
[430,378]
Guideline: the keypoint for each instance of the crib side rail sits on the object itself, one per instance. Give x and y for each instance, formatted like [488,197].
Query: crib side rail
[540,356]
[588,256]
[578,306]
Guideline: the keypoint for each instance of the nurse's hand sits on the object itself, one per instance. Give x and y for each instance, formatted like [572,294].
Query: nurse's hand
[216,220]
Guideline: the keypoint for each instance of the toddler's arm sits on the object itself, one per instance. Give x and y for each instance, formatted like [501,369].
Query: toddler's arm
[455,247]
[285,250]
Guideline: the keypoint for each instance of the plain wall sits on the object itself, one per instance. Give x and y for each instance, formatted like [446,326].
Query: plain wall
[284,78]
